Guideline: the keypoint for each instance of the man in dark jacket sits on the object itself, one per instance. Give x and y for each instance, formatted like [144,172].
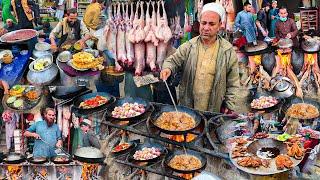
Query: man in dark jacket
[261,22]
[286,27]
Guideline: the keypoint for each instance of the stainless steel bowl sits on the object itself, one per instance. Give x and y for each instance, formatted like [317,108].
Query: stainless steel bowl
[285,43]
[310,45]
[64,56]
[36,54]
[48,58]
[42,46]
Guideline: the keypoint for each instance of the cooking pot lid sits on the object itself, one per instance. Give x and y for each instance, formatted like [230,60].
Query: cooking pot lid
[282,85]
[310,45]
[285,43]
[259,47]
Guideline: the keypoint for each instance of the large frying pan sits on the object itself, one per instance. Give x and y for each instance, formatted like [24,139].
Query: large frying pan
[162,149]
[84,97]
[198,155]
[257,95]
[56,161]
[132,144]
[66,92]
[89,155]
[156,114]
[37,160]
[14,158]
[120,102]
[295,100]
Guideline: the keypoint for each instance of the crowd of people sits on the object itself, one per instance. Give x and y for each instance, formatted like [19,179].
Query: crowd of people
[271,22]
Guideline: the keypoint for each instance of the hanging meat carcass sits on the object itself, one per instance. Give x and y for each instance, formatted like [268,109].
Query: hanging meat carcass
[230,14]
[121,34]
[129,26]
[111,36]
[151,40]
[163,33]
[178,31]
[139,46]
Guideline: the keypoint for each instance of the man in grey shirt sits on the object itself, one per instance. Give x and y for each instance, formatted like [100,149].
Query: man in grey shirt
[89,139]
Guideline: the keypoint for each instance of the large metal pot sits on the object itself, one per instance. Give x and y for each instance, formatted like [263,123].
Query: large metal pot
[43,77]
[36,54]
[89,155]
[259,47]
[310,45]
[282,87]
[285,43]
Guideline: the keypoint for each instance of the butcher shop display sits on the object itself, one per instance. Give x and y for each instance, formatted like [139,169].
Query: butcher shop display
[137,41]
[18,35]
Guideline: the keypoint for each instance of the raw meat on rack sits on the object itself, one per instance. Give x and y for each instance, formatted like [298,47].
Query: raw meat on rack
[129,45]
[139,46]
[151,40]
[163,33]
[121,43]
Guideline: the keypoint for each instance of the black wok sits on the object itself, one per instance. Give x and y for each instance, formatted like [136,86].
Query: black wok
[198,155]
[162,149]
[55,161]
[156,114]
[20,158]
[37,160]
[295,100]
[68,92]
[84,97]
[89,155]
[133,144]
[120,102]
[257,95]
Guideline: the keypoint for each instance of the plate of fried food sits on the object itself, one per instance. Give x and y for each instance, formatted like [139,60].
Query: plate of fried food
[303,111]
[83,61]
[266,156]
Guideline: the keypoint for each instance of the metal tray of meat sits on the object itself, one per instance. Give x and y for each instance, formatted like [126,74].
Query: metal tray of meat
[18,36]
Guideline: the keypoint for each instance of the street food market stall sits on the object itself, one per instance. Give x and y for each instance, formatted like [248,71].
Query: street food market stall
[274,130]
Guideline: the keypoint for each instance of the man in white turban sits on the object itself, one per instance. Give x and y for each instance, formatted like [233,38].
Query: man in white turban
[209,66]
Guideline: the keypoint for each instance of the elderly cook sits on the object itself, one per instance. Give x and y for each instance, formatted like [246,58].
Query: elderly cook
[209,66]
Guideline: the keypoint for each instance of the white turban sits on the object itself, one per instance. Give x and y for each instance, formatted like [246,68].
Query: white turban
[215,7]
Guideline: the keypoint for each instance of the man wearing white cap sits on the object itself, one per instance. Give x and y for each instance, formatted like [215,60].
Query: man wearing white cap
[88,137]
[210,72]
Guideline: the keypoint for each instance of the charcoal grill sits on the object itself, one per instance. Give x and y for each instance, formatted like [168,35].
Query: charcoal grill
[145,128]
